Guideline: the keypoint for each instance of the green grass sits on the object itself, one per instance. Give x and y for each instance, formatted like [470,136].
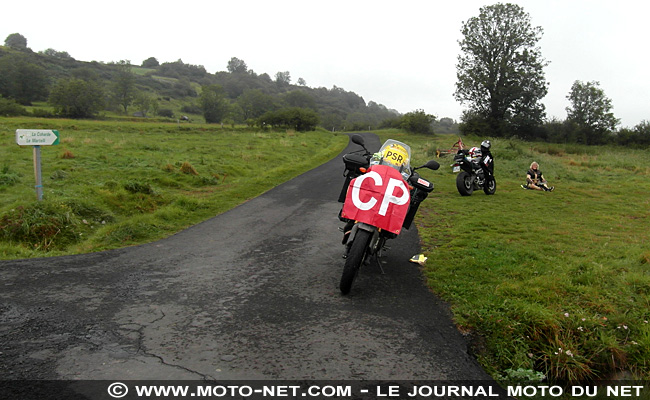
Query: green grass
[556,283]
[111,184]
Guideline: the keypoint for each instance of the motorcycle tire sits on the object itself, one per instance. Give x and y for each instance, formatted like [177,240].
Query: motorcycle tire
[490,186]
[353,262]
[464,184]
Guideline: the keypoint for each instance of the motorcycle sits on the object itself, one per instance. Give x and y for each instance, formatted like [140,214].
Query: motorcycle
[476,170]
[380,197]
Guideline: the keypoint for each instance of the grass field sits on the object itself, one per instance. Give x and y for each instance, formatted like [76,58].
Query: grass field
[554,284]
[110,184]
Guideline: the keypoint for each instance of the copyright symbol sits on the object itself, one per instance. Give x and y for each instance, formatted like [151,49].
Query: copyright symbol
[117,390]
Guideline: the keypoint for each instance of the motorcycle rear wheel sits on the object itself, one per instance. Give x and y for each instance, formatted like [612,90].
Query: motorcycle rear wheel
[353,262]
[464,184]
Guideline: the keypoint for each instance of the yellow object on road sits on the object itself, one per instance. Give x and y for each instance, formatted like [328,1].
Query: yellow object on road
[419,258]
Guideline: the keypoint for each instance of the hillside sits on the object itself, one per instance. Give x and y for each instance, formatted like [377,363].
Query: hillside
[172,89]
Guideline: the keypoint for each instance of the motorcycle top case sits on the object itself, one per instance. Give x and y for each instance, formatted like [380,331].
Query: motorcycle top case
[379,198]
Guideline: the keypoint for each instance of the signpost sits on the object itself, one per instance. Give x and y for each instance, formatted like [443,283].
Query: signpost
[37,138]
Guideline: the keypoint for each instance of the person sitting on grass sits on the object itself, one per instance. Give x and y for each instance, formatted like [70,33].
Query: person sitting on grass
[535,180]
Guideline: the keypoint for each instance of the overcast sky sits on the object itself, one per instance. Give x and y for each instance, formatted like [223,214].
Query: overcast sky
[401,54]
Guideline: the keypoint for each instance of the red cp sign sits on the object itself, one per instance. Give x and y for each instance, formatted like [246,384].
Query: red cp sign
[379,198]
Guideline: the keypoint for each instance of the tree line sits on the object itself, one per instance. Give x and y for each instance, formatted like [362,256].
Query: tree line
[500,77]
[76,89]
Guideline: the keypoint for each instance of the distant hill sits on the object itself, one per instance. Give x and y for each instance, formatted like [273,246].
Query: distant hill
[29,77]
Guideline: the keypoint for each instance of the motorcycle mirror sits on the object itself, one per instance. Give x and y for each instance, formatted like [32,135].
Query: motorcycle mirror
[358,139]
[432,164]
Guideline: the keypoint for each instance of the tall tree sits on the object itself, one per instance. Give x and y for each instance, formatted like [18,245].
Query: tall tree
[16,41]
[500,70]
[235,65]
[143,102]
[214,104]
[64,55]
[299,98]
[150,62]
[591,111]
[22,80]
[283,78]
[253,103]
[77,98]
[124,84]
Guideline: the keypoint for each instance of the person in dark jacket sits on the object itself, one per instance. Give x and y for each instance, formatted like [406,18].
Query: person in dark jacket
[535,180]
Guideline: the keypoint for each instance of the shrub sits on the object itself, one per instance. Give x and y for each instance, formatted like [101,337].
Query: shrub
[7,177]
[10,108]
[67,155]
[130,231]
[189,204]
[166,112]
[208,180]
[191,109]
[300,119]
[187,168]
[418,122]
[51,225]
[43,225]
[138,187]
[89,212]
[42,113]
[58,175]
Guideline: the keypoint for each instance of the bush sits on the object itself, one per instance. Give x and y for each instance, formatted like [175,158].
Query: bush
[89,212]
[208,180]
[187,168]
[67,155]
[168,168]
[391,123]
[42,113]
[191,109]
[138,187]
[7,177]
[76,98]
[134,230]
[42,226]
[49,225]
[10,108]
[165,112]
[300,119]
[418,122]
[639,136]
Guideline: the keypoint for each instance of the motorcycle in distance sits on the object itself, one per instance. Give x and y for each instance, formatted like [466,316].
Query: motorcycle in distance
[476,170]
[380,196]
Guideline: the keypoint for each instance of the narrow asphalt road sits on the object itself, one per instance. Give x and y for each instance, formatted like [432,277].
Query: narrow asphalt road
[249,294]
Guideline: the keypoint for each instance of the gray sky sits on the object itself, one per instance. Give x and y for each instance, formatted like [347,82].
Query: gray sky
[401,54]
